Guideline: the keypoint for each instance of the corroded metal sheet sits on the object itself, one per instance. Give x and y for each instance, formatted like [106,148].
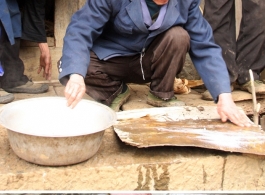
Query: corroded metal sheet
[187,126]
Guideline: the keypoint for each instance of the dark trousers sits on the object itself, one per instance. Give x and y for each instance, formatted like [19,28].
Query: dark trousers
[248,51]
[163,60]
[33,20]
[12,64]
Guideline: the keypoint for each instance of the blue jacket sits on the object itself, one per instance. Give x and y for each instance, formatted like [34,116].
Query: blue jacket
[11,19]
[111,27]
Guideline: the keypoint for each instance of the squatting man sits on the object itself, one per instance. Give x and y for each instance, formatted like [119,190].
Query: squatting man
[109,43]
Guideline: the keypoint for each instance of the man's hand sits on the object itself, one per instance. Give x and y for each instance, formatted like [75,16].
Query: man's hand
[74,90]
[228,110]
[45,61]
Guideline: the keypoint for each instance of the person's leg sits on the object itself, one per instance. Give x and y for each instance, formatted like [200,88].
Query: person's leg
[104,79]
[4,96]
[166,55]
[221,16]
[162,61]
[251,41]
[14,80]
[13,66]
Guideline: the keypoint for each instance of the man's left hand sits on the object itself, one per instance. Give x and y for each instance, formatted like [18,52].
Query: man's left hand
[228,110]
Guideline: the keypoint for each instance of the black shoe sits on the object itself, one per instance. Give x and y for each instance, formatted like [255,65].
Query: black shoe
[258,85]
[6,97]
[120,99]
[29,87]
[157,102]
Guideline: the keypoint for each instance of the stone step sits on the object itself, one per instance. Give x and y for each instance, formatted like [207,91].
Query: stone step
[117,166]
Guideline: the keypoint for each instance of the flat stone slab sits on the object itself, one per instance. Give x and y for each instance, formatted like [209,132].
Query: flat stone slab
[118,166]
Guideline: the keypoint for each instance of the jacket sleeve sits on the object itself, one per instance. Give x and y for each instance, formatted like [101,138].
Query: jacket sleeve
[11,19]
[205,54]
[85,26]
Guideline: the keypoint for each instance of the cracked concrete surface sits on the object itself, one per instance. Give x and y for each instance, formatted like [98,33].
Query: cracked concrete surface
[118,166]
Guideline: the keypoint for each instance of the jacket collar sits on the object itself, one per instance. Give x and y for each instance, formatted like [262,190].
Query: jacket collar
[134,11]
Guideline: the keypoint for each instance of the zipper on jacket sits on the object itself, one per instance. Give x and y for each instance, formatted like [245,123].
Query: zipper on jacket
[141,61]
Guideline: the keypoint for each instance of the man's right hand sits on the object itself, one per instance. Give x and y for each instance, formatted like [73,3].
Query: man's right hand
[45,61]
[74,90]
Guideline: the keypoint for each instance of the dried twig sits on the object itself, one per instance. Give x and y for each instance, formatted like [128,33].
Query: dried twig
[256,107]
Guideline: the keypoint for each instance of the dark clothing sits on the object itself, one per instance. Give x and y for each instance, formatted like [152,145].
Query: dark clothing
[248,51]
[12,64]
[10,24]
[33,21]
[104,78]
